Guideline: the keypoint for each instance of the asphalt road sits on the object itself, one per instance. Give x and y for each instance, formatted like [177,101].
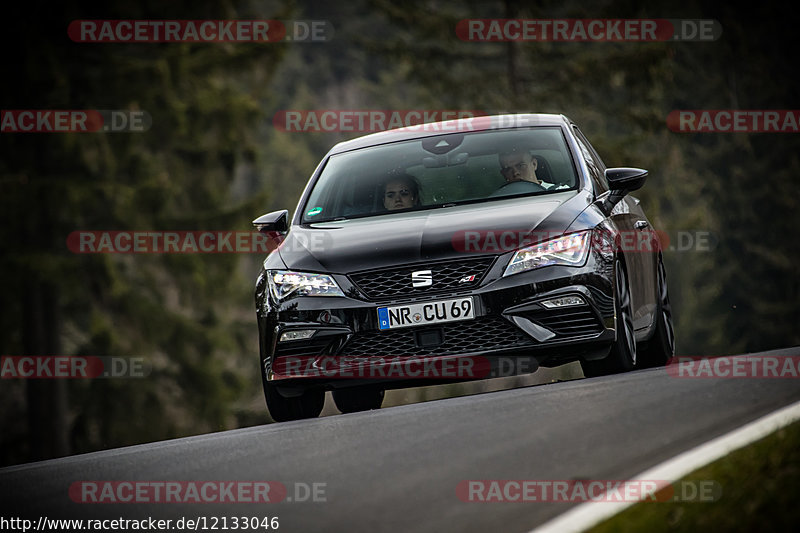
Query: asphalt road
[397,469]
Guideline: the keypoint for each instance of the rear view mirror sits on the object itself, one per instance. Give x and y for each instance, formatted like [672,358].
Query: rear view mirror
[459,158]
[445,160]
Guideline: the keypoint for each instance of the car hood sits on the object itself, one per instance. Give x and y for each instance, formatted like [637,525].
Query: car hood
[432,235]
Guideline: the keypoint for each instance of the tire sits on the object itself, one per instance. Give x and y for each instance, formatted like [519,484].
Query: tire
[355,400]
[282,409]
[661,346]
[622,357]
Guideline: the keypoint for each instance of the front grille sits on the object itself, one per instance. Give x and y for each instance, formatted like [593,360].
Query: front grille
[570,322]
[478,335]
[395,282]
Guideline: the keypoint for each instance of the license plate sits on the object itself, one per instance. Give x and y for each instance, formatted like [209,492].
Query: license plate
[403,316]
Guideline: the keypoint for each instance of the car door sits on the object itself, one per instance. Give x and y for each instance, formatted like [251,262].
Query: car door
[637,239]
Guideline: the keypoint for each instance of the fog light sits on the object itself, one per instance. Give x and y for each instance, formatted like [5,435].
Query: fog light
[564,301]
[297,335]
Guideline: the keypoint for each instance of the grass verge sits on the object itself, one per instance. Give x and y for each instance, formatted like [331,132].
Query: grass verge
[760,491]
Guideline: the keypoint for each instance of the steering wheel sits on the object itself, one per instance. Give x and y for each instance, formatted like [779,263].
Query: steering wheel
[518,187]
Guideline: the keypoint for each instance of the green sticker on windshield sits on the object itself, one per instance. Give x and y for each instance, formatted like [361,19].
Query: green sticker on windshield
[313,212]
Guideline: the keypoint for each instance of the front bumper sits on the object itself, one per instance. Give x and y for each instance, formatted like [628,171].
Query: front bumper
[510,325]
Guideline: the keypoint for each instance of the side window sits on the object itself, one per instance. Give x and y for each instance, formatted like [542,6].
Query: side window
[596,166]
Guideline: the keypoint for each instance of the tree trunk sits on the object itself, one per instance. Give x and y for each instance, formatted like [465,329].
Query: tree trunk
[47,398]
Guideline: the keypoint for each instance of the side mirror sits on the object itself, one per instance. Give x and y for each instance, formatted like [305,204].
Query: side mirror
[626,179]
[275,221]
[621,181]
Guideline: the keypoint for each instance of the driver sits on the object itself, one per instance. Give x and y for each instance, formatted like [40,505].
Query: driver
[519,166]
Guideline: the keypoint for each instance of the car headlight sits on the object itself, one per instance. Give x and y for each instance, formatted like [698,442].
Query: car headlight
[284,284]
[570,250]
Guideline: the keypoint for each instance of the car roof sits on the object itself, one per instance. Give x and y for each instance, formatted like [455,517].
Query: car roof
[482,123]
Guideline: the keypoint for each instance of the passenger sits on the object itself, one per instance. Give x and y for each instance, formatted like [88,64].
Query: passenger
[401,192]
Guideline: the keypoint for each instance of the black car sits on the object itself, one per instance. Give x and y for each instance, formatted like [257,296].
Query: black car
[457,243]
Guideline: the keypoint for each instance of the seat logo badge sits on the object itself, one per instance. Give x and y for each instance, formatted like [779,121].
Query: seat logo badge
[467,279]
[422,278]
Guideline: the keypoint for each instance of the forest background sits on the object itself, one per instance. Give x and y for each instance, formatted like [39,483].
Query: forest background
[214,160]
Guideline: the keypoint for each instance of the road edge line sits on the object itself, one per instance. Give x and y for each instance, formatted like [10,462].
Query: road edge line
[589,514]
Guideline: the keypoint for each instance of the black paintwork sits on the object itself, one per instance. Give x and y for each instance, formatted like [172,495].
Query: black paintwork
[422,237]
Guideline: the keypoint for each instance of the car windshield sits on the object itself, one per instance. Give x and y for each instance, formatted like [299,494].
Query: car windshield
[439,171]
